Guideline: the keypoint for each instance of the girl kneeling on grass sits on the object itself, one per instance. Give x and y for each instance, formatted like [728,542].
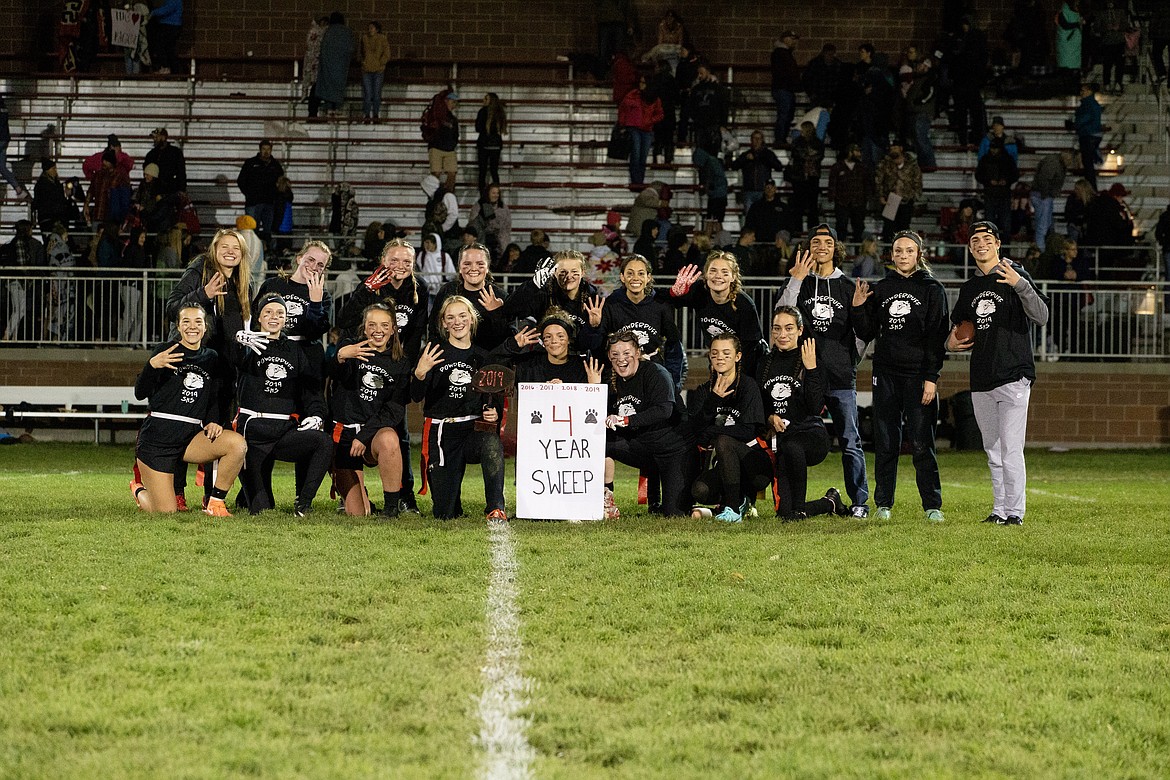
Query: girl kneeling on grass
[280,382]
[185,424]
[544,354]
[647,425]
[793,388]
[461,425]
[369,396]
[727,416]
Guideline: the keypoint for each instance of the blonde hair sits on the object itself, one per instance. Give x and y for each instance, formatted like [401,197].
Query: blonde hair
[243,272]
[736,276]
[396,350]
[448,303]
[402,242]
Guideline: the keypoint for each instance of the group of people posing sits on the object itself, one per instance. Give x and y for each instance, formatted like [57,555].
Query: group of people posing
[247,381]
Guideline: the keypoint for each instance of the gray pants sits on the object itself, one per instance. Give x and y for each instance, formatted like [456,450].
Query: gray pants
[1002,415]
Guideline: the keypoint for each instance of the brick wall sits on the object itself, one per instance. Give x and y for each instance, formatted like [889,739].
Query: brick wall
[518,30]
[1083,404]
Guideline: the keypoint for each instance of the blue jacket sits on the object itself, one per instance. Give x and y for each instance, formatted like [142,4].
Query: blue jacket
[1087,119]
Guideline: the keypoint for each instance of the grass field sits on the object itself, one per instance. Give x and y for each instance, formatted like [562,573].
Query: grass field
[138,647]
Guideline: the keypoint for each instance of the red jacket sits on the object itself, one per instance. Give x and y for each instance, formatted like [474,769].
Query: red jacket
[633,112]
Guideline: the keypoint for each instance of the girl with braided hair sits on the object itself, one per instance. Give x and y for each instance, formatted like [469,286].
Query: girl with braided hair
[717,298]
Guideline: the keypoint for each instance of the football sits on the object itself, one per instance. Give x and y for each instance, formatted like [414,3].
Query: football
[965,331]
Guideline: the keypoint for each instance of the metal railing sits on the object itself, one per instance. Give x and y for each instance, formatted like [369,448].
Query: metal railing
[79,307]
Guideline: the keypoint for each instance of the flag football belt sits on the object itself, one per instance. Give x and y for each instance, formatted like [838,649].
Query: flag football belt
[265,415]
[339,427]
[177,418]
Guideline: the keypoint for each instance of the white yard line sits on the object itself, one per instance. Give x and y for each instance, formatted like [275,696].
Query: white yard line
[507,753]
[1062,496]
[49,475]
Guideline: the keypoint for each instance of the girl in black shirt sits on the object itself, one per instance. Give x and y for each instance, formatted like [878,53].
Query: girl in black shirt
[370,387]
[475,283]
[549,358]
[561,283]
[307,302]
[638,307]
[186,420]
[715,294]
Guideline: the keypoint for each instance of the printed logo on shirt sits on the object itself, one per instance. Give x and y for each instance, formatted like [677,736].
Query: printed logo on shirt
[899,308]
[714,326]
[781,389]
[294,307]
[194,380]
[401,319]
[726,415]
[458,377]
[276,370]
[627,405]
[823,309]
[985,304]
[373,380]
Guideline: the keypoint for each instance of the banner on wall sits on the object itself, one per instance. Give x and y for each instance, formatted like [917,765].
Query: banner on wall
[560,451]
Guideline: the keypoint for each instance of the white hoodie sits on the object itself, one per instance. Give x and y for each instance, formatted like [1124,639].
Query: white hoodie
[436,267]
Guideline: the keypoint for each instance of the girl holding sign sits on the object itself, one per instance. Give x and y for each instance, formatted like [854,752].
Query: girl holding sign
[460,426]
[647,425]
[281,411]
[543,354]
[369,396]
[720,305]
[793,388]
[186,420]
[728,416]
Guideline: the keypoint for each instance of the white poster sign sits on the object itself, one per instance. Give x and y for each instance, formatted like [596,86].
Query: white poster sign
[560,451]
[124,28]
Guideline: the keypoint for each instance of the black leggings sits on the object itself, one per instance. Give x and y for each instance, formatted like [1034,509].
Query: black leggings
[489,167]
[311,451]
[795,452]
[674,465]
[739,472]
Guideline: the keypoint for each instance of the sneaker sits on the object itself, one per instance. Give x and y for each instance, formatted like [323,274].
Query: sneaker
[935,515]
[216,508]
[994,518]
[729,515]
[181,503]
[860,512]
[302,507]
[136,487]
[407,506]
[795,516]
[390,512]
[1012,520]
[611,508]
[497,516]
[882,513]
[839,506]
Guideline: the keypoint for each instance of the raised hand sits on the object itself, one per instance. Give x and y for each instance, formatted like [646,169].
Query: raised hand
[808,354]
[432,355]
[685,279]
[861,292]
[489,300]
[544,272]
[361,350]
[1008,275]
[215,286]
[723,384]
[593,371]
[593,308]
[378,279]
[526,336]
[168,358]
[254,340]
[316,283]
[802,265]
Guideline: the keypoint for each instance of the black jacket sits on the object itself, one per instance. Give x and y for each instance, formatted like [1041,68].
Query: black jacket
[908,318]
[740,415]
[257,180]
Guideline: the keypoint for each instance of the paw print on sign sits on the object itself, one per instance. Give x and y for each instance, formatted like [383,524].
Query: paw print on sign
[537,418]
[590,417]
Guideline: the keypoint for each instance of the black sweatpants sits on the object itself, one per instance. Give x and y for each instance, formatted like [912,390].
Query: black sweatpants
[669,456]
[898,412]
[739,472]
[312,451]
[447,462]
[795,452]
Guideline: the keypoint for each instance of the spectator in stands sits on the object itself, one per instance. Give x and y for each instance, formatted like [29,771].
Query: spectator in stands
[851,191]
[868,263]
[958,231]
[645,208]
[61,313]
[157,212]
[1109,223]
[671,34]
[441,214]
[22,251]
[492,219]
[968,71]
[898,175]
[639,112]
[441,132]
[685,77]
[997,172]
[713,181]
[372,243]
[533,254]
[822,77]
[664,88]
[92,164]
[708,105]
[434,265]
[616,21]
[746,253]
[1076,208]
[998,131]
[1112,22]
[1067,266]
[1027,35]
[920,107]
[337,47]
[110,194]
[163,29]
[172,166]
[1046,185]
[1068,36]
[624,74]
[766,216]
[130,291]
[1159,28]
[49,201]
[785,84]
[875,101]
[246,227]
[105,252]
[257,180]
[1087,124]
[5,170]
[283,209]
[804,174]
[312,62]
[757,164]
[374,54]
[784,253]
[491,125]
